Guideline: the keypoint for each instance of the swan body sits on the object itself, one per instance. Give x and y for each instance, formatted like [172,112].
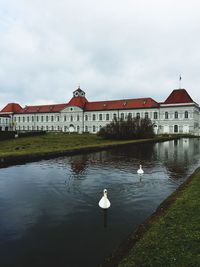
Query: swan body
[104,202]
[140,170]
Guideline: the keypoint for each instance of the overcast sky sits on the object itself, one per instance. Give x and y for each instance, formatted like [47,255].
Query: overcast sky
[115,49]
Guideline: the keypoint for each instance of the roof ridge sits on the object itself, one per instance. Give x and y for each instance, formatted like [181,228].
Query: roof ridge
[141,98]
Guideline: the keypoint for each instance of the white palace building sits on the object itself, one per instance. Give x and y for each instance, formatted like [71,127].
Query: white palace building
[177,114]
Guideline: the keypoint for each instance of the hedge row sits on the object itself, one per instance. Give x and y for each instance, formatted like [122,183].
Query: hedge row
[5,135]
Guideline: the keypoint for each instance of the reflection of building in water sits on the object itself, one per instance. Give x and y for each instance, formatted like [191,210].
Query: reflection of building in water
[178,154]
[79,163]
[175,155]
[115,157]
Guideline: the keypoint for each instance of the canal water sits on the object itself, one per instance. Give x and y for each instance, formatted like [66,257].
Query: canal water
[49,214]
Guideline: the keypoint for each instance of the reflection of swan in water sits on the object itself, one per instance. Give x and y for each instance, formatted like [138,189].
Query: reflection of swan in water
[140,170]
[105,218]
[104,202]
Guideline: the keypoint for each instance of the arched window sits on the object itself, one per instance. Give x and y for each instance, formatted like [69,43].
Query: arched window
[114,116]
[138,115]
[100,117]
[86,117]
[94,128]
[71,118]
[86,128]
[78,128]
[176,128]
[78,117]
[146,115]
[186,114]
[129,115]
[176,114]
[93,117]
[107,117]
[166,115]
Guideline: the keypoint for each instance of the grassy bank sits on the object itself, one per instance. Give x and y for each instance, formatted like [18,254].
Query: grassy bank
[173,236]
[53,143]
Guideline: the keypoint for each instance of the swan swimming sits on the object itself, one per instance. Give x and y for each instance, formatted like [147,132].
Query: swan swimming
[140,170]
[104,202]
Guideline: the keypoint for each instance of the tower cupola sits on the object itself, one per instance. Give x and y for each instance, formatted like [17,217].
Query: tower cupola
[79,92]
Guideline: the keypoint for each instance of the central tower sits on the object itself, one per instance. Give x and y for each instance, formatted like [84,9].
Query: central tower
[78,92]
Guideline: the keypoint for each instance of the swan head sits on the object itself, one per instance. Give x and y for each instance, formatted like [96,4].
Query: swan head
[140,166]
[105,192]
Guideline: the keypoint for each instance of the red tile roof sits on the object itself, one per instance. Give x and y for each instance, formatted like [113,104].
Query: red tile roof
[75,101]
[12,107]
[78,101]
[178,96]
[122,104]
[44,108]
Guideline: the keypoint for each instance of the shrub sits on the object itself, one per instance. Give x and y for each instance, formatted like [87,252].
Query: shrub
[131,128]
[5,135]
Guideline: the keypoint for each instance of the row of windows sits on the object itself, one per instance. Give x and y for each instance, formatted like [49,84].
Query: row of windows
[39,128]
[55,128]
[176,115]
[37,118]
[45,118]
[4,120]
[122,116]
[77,118]
[95,117]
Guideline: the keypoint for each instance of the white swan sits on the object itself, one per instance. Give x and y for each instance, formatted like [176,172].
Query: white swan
[104,202]
[140,170]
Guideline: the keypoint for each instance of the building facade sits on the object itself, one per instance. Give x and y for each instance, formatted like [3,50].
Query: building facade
[177,114]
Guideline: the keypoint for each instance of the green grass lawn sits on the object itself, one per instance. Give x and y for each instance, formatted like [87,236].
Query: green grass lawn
[174,239]
[52,142]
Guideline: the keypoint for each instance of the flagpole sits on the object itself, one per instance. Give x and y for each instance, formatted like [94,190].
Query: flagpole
[180,78]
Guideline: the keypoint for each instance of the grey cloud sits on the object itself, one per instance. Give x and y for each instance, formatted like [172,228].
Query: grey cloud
[114,49]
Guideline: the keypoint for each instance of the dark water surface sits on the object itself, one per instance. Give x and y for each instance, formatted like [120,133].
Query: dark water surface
[49,214]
